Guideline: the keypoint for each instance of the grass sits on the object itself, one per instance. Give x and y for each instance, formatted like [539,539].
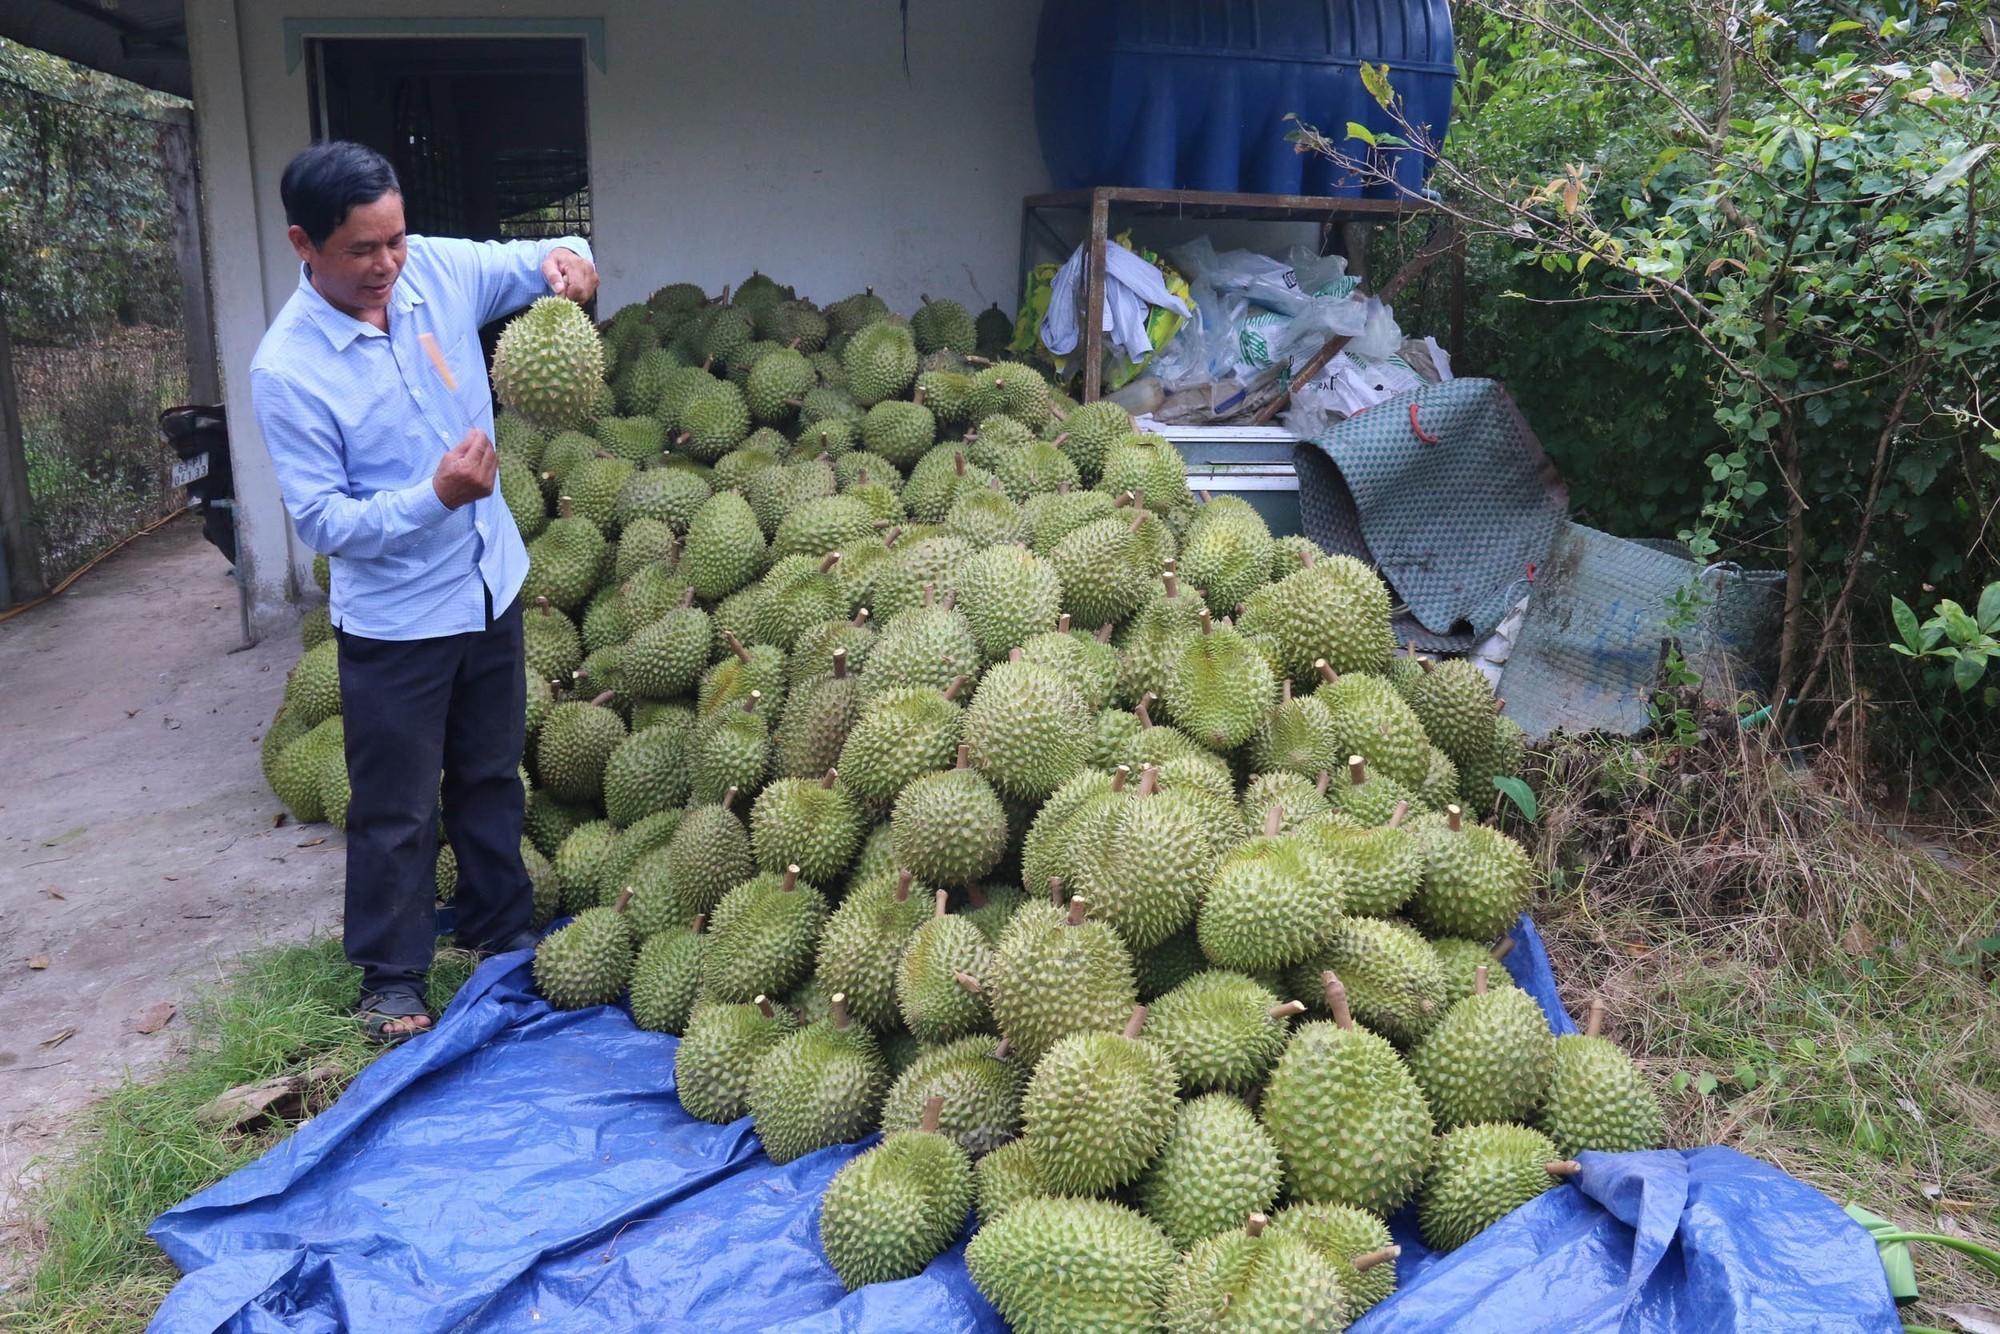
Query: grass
[1809,986]
[144,1148]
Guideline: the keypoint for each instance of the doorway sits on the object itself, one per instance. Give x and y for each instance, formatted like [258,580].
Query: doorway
[489,134]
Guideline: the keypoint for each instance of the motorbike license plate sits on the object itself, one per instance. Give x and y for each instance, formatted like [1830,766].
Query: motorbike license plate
[191,469]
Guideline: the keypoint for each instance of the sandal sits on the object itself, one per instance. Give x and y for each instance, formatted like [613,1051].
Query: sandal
[393,1017]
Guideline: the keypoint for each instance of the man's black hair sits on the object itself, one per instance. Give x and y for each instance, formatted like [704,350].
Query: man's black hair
[328,180]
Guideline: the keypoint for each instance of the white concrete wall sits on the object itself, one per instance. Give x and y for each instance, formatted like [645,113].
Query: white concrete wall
[773,134]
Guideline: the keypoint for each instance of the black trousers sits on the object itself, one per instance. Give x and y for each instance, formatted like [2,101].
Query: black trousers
[414,710]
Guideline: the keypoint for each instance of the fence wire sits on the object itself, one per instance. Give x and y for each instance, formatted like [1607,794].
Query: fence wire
[92,300]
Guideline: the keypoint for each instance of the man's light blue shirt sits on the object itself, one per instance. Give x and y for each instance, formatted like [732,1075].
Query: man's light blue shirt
[356,421]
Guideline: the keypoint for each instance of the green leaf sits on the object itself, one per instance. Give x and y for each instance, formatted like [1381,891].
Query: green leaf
[1989,608]
[1845,25]
[1520,794]
[1955,170]
[1906,624]
[1356,130]
[1966,672]
[1746,1076]
[1375,78]
[1858,1055]
[1896,1266]
[1706,1084]
[1679,1083]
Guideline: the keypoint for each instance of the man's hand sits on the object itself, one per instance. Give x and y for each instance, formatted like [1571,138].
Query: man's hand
[570,275]
[466,472]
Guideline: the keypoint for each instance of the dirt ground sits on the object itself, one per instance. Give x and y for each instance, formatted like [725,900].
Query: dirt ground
[138,852]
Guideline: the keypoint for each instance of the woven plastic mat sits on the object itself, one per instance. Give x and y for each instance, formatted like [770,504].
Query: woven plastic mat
[1455,522]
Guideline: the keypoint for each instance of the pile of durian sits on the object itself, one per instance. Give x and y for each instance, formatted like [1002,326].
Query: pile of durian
[912,743]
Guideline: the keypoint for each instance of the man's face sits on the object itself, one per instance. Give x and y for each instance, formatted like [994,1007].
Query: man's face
[357,267]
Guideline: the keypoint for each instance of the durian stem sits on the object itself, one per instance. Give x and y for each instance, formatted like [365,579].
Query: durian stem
[950,598]
[565,507]
[930,595]
[700,923]
[1062,488]
[1057,442]
[1326,673]
[832,559]
[933,1110]
[970,983]
[1205,496]
[1104,633]
[624,899]
[1013,655]
[603,699]
[957,684]
[1123,500]
[543,603]
[1056,890]
[1285,696]
[1367,1260]
[687,598]
[735,645]
[1171,565]
[1357,770]
[1136,1023]
[894,533]
[1336,998]
[1003,1051]
[1274,820]
[752,700]
[1427,665]
[1454,818]
[1144,708]
[1119,777]
[1569,1167]
[1322,781]
[1499,705]
[964,756]
[1173,583]
[903,879]
[729,797]
[1479,980]
[826,783]
[1503,949]
[958,462]
[1255,1224]
[1059,412]
[1207,627]
[840,1019]
[1306,557]
[840,664]
[1400,814]
[937,905]
[1062,624]
[763,1003]
[1079,908]
[1594,1026]
[791,880]
[1149,781]
[1288,1009]
[860,619]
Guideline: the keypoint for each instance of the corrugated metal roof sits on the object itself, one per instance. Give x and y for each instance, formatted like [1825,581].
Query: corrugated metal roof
[141,40]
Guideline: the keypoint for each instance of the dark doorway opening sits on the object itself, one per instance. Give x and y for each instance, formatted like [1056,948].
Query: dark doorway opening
[488,134]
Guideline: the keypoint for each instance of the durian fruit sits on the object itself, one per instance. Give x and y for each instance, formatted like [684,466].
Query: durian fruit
[941,325]
[1222,1030]
[1159,633]
[666,977]
[1006,1176]
[1370,798]
[927,645]
[1481,1173]
[1395,984]
[938,479]
[894,1209]
[546,820]
[594,487]
[812,657]
[815,826]
[672,496]
[550,642]
[549,364]
[294,772]
[823,525]
[899,431]
[643,543]
[1350,1123]
[1055,973]
[739,673]
[579,865]
[991,907]
[1355,1242]
[667,657]
[862,945]
[940,991]
[1336,609]
[1098,1108]
[1025,729]
[1217,1165]
[902,734]
[521,491]
[880,361]
[1253,1280]
[708,855]
[1086,661]
[1507,758]
[1374,721]
[731,751]
[980,1086]
[1089,434]
[312,690]
[1381,867]
[1222,689]
[1227,551]
[986,518]
[994,331]
[1051,518]
[1024,394]
[1009,595]
[575,745]
[1476,880]
[1272,902]
[723,1044]
[1462,959]
[1057,1266]
[1142,861]
[1455,705]
[818,718]
[714,420]
[330,759]
[589,961]
[1297,735]
[762,937]
[1167,965]
[724,548]
[1597,1098]
[950,828]
[1488,1059]
[776,384]
[1105,569]
[820,1086]
[850,315]
[1150,466]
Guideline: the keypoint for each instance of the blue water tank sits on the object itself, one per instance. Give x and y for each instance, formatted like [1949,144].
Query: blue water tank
[1193,94]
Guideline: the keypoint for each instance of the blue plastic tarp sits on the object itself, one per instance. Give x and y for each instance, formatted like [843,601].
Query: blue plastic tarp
[526,1168]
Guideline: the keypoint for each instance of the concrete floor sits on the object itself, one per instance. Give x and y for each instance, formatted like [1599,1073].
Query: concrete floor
[138,850]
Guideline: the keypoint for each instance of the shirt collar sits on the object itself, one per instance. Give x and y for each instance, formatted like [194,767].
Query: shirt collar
[341,328]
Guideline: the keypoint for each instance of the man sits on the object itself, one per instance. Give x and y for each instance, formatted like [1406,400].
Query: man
[389,470]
